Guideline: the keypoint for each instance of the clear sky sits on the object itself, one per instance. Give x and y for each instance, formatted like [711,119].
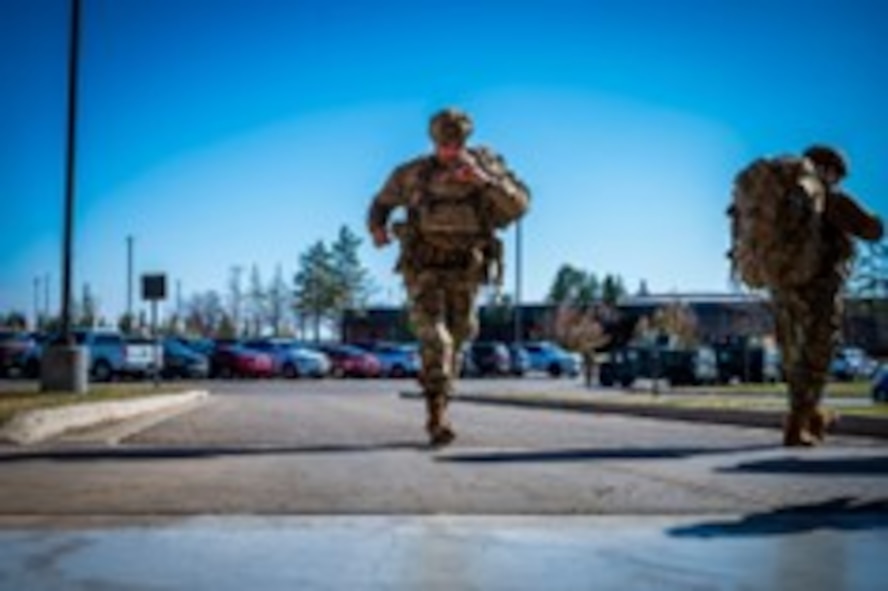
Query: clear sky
[223,132]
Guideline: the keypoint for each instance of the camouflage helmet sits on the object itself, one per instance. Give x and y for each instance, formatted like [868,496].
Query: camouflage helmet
[826,156]
[449,126]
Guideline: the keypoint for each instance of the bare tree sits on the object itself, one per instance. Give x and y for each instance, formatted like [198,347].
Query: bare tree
[204,313]
[257,302]
[678,322]
[581,330]
[280,302]
[235,297]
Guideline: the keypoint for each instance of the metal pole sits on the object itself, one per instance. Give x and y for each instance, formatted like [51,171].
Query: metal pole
[129,278]
[46,312]
[36,303]
[156,344]
[518,336]
[68,240]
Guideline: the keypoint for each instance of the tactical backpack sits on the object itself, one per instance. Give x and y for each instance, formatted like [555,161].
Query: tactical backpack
[776,211]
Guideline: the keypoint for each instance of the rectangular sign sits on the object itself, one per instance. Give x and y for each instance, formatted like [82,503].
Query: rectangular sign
[154,286]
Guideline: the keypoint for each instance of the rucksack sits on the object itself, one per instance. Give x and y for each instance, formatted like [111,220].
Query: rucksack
[776,225]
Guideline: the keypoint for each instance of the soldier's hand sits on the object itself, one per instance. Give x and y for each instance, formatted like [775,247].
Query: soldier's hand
[470,172]
[380,237]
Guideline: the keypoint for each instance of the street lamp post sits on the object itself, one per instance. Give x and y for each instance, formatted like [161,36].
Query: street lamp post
[129,279]
[64,363]
[518,328]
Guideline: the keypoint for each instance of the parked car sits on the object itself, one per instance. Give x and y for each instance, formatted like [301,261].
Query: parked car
[144,357]
[519,359]
[850,363]
[486,358]
[290,360]
[740,360]
[680,366]
[396,360]
[107,352]
[880,384]
[231,359]
[180,361]
[19,355]
[351,361]
[552,359]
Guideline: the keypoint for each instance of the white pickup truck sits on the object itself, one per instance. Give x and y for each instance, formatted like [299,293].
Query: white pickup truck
[144,357]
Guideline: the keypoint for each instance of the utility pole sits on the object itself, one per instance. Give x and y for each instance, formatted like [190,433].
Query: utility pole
[64,365]
[129,276]
[518,328]
[36,325]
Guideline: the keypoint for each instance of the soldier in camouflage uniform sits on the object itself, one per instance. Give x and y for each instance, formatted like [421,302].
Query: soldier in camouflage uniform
[455,200]
[808,316]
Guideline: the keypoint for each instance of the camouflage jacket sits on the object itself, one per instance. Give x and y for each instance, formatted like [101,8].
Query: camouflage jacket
[421,181]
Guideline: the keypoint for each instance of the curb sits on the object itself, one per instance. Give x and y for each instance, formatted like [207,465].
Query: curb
[847,424]
[35,426]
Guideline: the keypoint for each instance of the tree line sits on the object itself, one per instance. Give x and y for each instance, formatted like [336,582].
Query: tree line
[329,278]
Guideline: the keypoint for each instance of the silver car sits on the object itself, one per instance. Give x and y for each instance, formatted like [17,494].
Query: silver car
[290,359]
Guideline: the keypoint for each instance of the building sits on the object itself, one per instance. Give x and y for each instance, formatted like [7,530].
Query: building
[719,316]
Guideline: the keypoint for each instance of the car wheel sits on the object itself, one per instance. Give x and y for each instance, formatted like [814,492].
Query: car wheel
[398,372]
[225,372]
[102,371]
[338,372]
[32,369]
[290,371]
[555,370]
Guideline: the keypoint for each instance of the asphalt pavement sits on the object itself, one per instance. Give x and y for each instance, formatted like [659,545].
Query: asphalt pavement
[325,484]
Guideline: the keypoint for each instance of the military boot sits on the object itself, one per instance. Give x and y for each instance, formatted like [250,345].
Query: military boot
[438,427]
[795,430]
[820,421]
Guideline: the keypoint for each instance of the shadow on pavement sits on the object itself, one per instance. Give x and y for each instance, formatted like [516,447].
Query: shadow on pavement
[178,453]
[575,455]
[836,514]
[873,466]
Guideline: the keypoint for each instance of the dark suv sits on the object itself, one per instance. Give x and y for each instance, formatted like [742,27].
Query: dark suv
[19,354]
[487,358]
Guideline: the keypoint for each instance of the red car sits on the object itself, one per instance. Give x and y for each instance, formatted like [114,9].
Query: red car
[232,360]
[349,361]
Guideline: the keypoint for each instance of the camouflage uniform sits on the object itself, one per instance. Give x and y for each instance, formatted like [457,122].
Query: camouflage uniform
[808,314]
[808,319]
[443,271]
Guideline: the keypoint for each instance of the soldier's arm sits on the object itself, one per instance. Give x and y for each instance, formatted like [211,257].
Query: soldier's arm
[508,198]
[847,215]
[394,193]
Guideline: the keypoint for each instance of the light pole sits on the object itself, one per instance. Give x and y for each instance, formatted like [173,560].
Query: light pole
[129,278]
[46,311]
[64,363]
[36,303]
[518,328]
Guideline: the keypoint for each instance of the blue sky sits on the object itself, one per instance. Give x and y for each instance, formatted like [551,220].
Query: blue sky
[223,132]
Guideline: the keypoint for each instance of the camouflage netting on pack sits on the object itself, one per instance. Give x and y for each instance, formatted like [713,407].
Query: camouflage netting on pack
[776,223]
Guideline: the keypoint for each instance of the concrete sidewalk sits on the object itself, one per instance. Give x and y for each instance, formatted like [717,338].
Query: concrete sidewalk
[788,550]
[38,425]
[665,408]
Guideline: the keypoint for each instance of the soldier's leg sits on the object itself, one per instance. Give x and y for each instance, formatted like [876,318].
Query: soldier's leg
[436,349]
[789,313]
[824,322]
[462,319]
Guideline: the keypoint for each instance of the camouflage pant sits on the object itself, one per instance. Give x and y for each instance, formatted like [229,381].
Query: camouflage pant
[442,311]
[808,324]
